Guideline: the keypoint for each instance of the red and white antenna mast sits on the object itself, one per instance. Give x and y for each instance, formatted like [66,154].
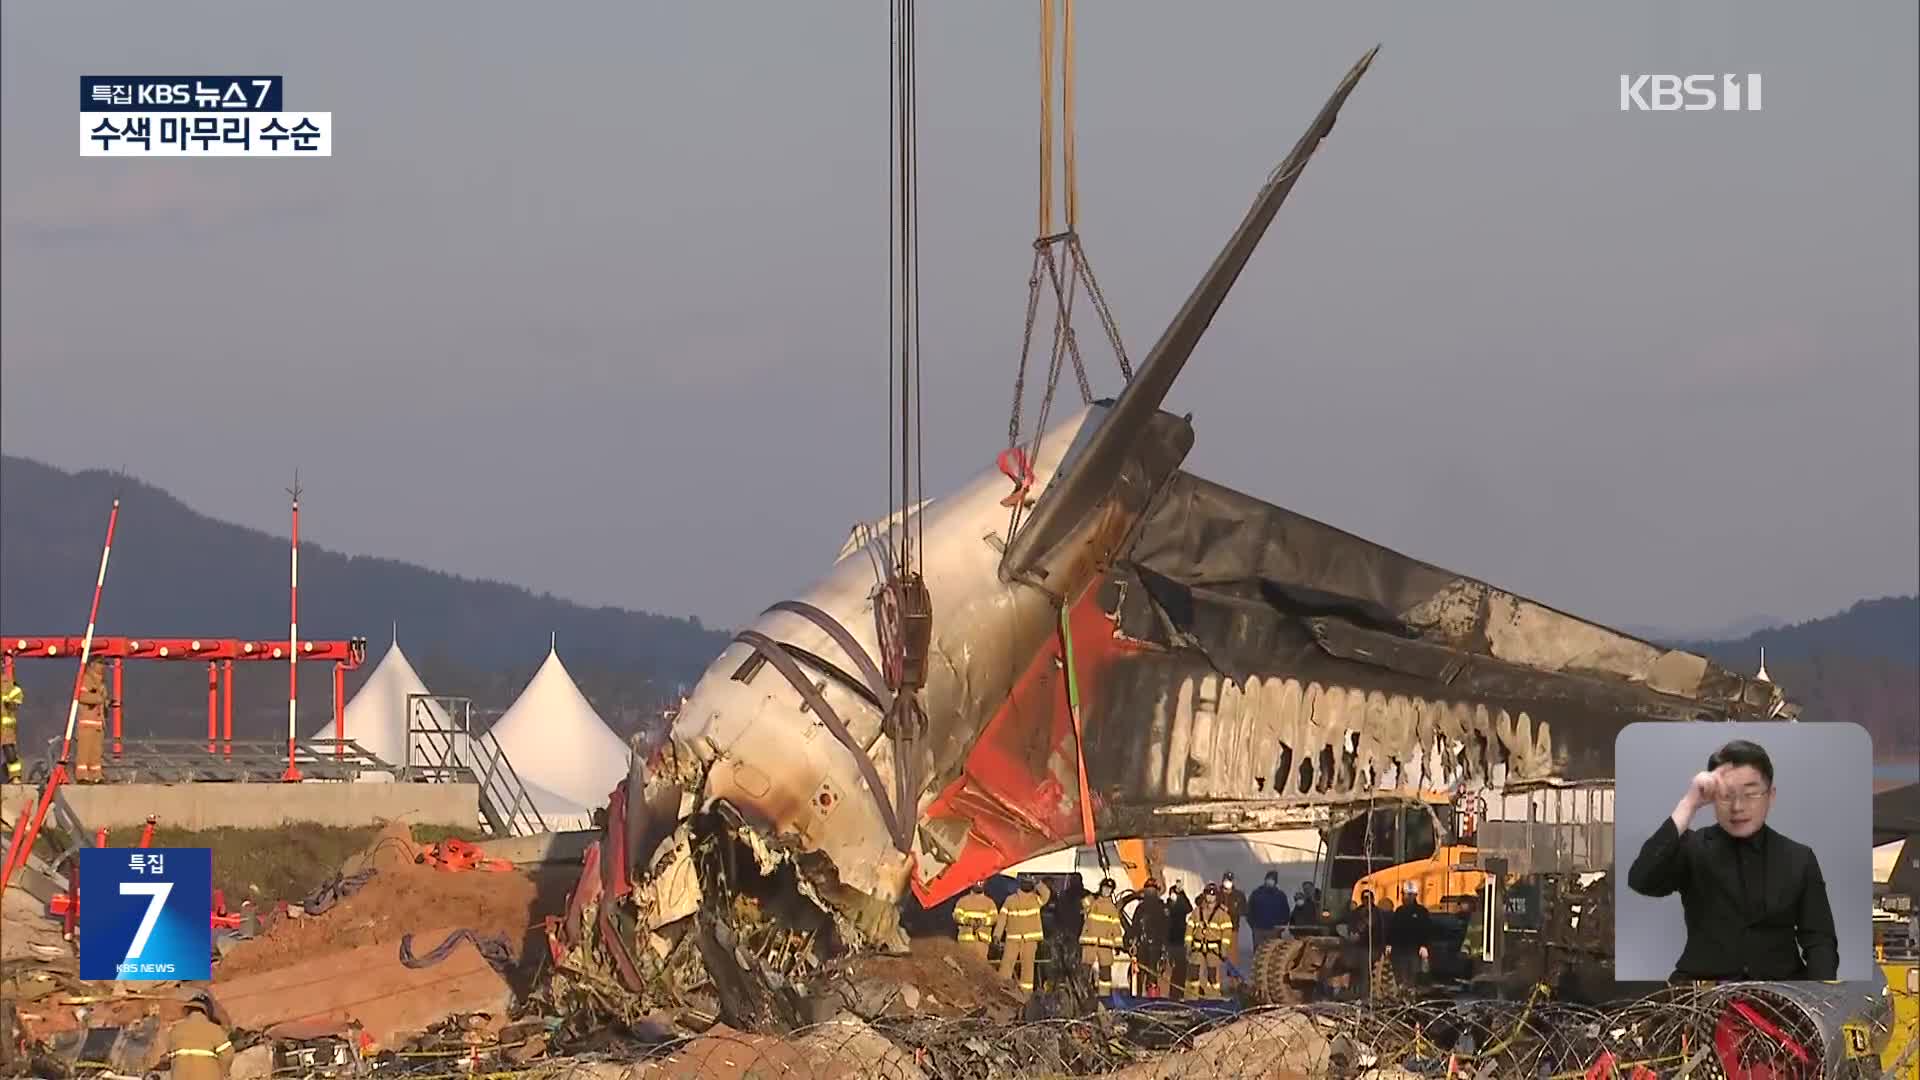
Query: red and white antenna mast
[293,636]
[20,844]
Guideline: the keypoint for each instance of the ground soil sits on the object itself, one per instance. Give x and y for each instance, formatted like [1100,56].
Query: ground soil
[24,924]
[404,897]
[951,982]
[368,986]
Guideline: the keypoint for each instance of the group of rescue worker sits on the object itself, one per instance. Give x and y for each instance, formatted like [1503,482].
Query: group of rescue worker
[1403,934]
[1178,947]
[90,728]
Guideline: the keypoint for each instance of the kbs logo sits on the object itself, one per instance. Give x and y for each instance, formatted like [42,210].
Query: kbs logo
[1692,93]
[146,913]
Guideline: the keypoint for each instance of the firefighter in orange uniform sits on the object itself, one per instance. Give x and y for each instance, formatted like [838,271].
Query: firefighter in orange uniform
[92,734]
[1207,931]
[974,916]
[1100,935]
[197,1047]
[1019,924]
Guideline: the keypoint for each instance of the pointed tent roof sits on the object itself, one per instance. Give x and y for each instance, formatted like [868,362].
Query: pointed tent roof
[556,741]
[376,718]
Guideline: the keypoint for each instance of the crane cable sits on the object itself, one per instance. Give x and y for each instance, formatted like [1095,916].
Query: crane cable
[902,607]
[903,242]
[1017,462]
[1070,191]
[1046,118]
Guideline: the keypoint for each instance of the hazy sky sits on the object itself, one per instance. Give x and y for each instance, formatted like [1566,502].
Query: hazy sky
[592,298]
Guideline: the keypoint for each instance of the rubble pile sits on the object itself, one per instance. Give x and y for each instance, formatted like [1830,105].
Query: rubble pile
[1158,1040]
[396,969]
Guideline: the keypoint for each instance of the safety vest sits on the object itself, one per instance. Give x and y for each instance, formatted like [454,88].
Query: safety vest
[1223,926]
[1101,926]
[93,699]
[1210,925]
[1021,917]
[975,915]
[11,697]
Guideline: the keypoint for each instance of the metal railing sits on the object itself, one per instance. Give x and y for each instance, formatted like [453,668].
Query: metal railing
[182,761]
[441,747]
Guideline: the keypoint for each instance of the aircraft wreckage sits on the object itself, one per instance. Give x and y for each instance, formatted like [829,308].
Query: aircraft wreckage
[1190,657]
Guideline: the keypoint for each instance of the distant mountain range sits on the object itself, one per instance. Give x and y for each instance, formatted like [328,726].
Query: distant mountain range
[1883,629]
[178,572]
[1733,631]
[175,571]
[1861,665]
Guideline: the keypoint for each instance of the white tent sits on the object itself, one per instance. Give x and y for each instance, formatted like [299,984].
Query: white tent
[557,812]
[376,718]
[555,741]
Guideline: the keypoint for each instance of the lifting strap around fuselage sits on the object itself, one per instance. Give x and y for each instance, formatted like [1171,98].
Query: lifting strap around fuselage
[771,651]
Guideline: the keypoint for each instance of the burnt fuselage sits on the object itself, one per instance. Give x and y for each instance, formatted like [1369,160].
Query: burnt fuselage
[1238,662]
[1234,661]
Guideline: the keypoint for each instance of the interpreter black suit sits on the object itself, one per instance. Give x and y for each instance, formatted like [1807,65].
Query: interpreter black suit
[1782,930]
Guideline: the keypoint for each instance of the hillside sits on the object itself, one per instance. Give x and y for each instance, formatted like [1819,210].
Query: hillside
[1883,629]
[178,572]
[1862,664]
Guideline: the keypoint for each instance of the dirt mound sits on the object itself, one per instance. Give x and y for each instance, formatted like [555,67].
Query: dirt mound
[402,897]
[841,1050]
[949,980]
[392,848]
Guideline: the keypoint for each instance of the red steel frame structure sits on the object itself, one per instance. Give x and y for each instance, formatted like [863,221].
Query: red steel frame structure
[217,653]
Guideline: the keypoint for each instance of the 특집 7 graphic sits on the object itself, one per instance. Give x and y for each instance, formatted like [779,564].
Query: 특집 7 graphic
[157,892]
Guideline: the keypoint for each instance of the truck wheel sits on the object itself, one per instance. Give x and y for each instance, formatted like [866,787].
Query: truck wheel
[1273,968]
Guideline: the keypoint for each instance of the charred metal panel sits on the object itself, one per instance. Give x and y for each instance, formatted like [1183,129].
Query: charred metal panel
[1480,676]
[1207,535]
[1201,535]
[1250,701]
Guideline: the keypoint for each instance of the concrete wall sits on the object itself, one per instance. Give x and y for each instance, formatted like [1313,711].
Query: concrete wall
[544,848]
[261,806]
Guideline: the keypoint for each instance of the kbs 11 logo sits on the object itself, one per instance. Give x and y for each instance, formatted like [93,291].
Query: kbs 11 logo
[196,116]
[1690,93]
[146,913]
